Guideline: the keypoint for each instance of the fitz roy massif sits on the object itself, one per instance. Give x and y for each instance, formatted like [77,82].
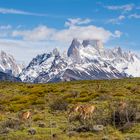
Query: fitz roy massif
[85,60]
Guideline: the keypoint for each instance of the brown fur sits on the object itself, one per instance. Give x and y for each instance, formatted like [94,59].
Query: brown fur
[25,115]
[76,109]
[84,111]
[88,111]
[122,106]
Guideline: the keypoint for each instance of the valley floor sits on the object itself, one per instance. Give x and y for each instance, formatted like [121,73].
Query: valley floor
[49,105]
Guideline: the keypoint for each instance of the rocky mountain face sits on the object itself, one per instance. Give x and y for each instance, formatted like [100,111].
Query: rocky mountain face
[85,60]
[7,77]
[9,69]
[9,65]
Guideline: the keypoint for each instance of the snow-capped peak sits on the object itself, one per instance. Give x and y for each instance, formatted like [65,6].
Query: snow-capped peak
[85,60]
[9,65]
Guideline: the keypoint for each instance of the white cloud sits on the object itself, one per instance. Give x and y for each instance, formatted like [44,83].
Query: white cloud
[83,32]
[77,21]
[117,33]
[37,34]
[116,20]
[5,30]
[42,32]
[137,16]
[42,38]
[24,50]
[19,12]
[125,8]
[121,17]
[5,27]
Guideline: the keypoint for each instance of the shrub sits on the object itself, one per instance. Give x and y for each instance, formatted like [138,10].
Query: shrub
[11,123]
[127,115]
[58,104]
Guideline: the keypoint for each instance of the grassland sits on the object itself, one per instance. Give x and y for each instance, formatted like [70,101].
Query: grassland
[49,104]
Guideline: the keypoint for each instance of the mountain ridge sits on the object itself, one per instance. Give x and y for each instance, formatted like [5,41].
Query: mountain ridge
[85,60]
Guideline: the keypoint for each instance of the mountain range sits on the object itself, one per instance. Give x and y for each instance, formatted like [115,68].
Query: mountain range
[85,60]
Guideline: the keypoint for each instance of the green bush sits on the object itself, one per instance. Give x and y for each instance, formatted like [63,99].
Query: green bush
[58,104]
[11,123]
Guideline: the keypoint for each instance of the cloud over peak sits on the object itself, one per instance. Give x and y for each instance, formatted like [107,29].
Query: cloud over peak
[44,33]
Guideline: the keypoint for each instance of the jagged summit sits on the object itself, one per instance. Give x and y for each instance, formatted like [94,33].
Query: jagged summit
[84,60]
[95,43]
[76,46]
[73,49]
[9,69]
[56,52]
[9,65]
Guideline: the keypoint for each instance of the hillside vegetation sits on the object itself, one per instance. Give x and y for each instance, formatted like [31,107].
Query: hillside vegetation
[49,105]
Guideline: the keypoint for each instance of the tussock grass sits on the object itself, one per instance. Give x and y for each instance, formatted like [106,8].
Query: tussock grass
[49,103]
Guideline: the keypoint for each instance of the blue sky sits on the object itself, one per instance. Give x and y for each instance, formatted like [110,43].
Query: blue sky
[30,27]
